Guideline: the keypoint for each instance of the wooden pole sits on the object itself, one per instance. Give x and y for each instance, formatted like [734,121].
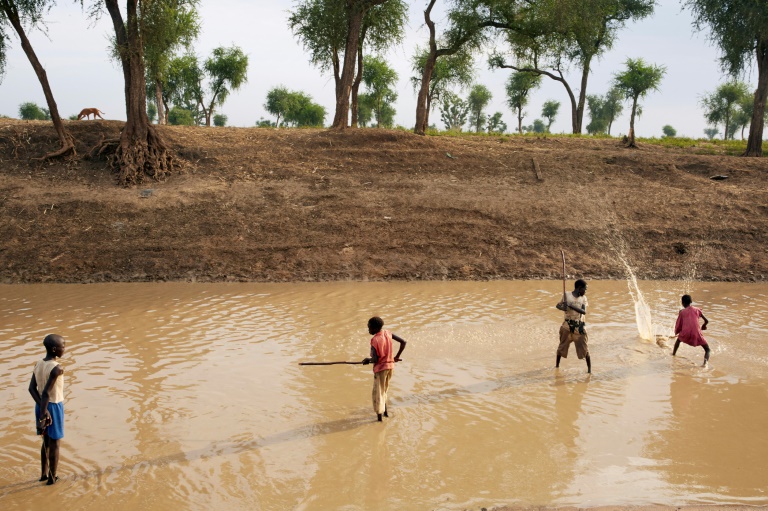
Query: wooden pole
[564,298]
[326,363]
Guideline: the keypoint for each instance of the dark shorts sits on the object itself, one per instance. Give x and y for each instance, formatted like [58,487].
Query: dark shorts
[56,430]
[578,339]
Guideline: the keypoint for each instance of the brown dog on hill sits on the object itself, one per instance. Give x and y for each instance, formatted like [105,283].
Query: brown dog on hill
[86,112]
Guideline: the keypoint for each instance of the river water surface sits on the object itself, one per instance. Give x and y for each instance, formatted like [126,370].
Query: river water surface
[190,396]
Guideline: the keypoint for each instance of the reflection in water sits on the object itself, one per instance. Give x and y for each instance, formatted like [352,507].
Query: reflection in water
[190,396]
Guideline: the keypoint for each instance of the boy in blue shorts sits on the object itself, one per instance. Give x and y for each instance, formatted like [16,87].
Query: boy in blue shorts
[47,389]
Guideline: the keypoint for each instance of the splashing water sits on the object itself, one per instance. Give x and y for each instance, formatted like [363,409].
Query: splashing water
[647,328]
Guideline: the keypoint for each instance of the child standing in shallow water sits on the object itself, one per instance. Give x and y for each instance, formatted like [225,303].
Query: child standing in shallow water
[688,330]
[384,363]
[47,389]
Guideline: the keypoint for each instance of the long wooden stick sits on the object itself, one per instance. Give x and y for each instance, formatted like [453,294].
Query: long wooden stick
[326,363]
[564,298]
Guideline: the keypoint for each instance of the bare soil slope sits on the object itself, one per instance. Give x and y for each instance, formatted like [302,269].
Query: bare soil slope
[311,205]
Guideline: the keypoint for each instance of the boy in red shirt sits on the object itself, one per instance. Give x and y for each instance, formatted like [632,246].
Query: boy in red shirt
[688,330]
[383,363]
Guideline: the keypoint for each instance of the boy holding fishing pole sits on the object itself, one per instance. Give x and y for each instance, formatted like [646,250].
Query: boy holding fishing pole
[383,363]
[573,330]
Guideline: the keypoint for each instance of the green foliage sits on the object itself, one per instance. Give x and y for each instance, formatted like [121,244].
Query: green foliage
[365,106]
[220,120]
[538,126]
[181,117]
[669,131]
[265,123]
[638,79]
[31,112]
[738,27]
[549,112]
[321,27]
[495,124]
[296,108]
[29,12]
[226,71]
[720,106]
[380,81]
[519,85]
[711,132]
[72,117]
[166,27]
[450,71]
[479,97]
[598,122]
[453,111]
[151,111]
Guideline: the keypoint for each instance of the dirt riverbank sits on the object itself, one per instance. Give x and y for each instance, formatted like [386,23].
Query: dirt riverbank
[314,205]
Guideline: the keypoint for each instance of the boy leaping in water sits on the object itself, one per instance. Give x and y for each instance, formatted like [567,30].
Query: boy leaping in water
[688,330]
[47,389]
[384,363]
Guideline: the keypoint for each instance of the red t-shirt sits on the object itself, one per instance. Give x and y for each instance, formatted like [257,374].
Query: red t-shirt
[382,343]
[687,326]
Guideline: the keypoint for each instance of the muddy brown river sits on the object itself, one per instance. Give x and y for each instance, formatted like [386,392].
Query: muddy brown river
[190,396]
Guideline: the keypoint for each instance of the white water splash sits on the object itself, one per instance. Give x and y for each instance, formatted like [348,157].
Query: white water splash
[647,328]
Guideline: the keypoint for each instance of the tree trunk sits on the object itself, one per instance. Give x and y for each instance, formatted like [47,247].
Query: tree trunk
[159,101]
[520,120]
[631,136]
[355,14]
[67,144]
[755,141]
[578,120]
[341,117]
[422,101]
[358,78]
[140,150]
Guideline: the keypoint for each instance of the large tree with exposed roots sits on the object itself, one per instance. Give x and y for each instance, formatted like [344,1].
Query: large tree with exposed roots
[140,151]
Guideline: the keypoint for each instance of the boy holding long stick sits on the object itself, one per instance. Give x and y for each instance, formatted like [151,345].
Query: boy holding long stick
[384,363]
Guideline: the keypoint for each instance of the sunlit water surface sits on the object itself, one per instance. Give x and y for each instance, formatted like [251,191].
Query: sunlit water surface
[190,396]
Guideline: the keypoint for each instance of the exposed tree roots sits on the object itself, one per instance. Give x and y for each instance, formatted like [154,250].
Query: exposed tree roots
[68,148]
[134,158]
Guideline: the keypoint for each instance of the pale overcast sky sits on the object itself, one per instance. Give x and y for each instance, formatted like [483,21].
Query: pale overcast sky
[75,57]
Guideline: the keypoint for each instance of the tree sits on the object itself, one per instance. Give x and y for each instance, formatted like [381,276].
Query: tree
[740,29]
[277,104]
[598,122]
[519,85]
[170,25]
[220,120]
[538,126]
[379,80]
[495,124]
[326,29]
[453,111]
[447,72]
[669,131]
[151,112]
[549,112]
[479,97]
[546,36]
[265,123]
[613,106]
[720,105]
[364,110]
[227,71]
[711,132]
[140,151]
[463,36]
[31,112]
[181,117]
[635,82]
[16,13]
